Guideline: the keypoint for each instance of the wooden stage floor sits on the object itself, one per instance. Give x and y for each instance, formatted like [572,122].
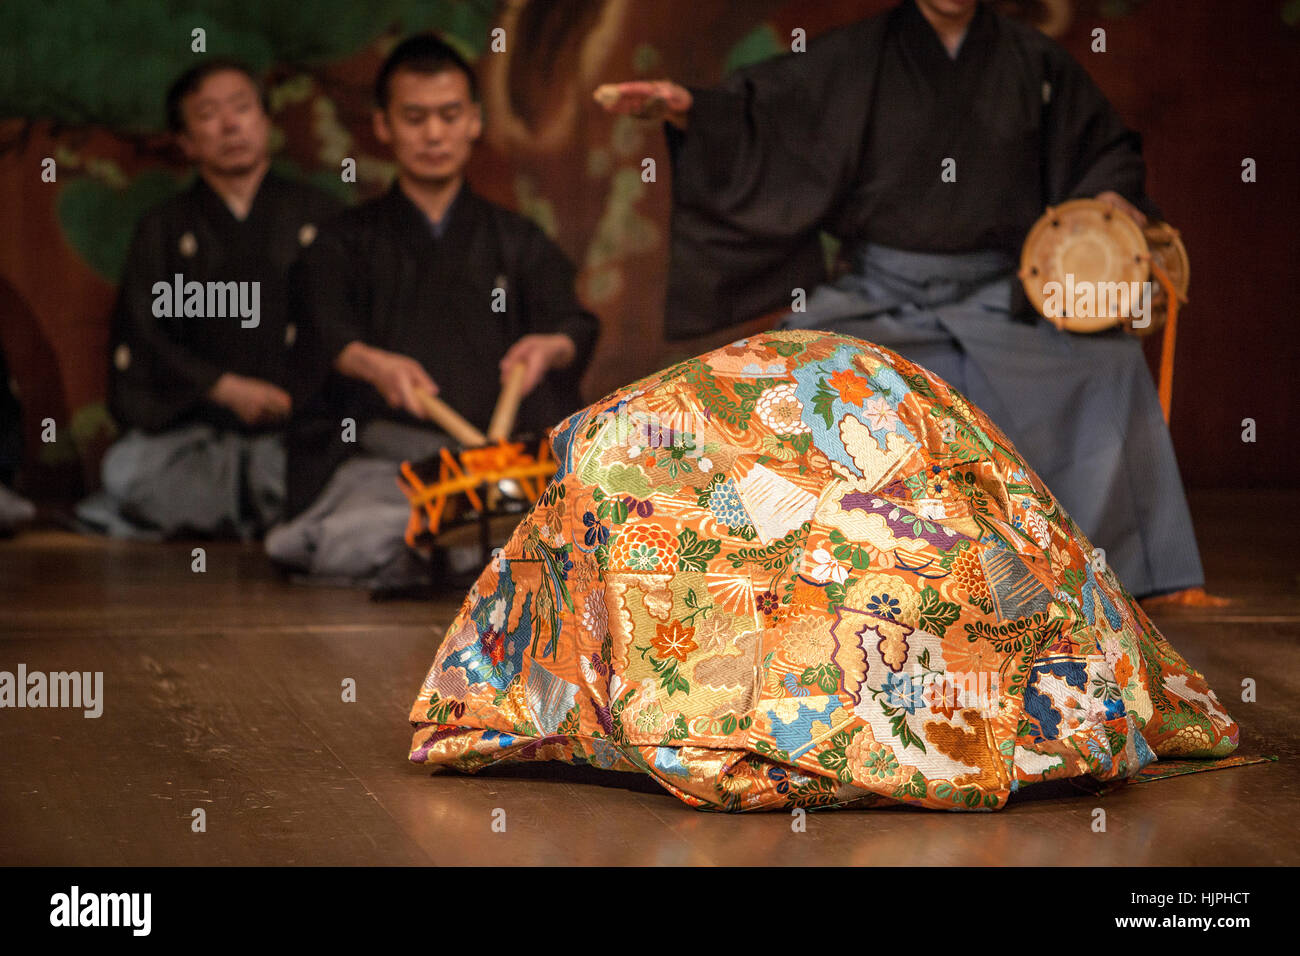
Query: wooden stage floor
[222,692]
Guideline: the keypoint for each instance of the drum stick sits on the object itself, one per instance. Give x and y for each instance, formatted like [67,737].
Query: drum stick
[512,393]
[450,420]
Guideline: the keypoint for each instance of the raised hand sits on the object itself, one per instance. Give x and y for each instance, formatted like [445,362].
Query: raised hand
[647,99]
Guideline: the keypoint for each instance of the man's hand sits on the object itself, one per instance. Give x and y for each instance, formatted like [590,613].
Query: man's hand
[647,99]
[254,401]
[539,353]
[398,378]
[1116,201]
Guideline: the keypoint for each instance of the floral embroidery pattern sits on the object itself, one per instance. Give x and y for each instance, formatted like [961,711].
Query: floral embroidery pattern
[822,579]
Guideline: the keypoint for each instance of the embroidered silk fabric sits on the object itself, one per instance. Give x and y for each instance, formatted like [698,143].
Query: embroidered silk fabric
[800,570]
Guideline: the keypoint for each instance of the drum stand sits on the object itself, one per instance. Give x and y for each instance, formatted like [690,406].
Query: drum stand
[478,469]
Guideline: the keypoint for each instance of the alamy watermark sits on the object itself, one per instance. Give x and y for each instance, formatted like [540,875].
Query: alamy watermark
[75,689]
[76,908]
[208,300]
[1093,300]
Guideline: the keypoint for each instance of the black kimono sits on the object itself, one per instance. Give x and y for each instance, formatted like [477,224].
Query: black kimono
[380,275]
[930,169]
[185,464]
[849,138]
[163,367]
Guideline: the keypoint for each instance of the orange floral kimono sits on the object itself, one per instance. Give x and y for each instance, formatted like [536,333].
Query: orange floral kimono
[801,571]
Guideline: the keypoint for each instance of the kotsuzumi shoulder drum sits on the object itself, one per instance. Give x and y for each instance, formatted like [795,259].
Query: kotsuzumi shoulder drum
[1089,267]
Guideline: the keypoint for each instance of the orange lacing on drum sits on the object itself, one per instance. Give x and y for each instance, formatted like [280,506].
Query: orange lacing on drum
[465,473]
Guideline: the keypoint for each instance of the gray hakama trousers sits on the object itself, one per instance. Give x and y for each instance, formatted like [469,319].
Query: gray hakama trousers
[195,479]
[353,534]
[1081,409]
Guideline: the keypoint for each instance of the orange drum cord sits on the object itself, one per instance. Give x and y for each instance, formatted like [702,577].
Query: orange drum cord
[1170,337]
[464,473]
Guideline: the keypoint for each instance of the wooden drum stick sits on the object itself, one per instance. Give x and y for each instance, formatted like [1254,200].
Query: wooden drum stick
[503,416]
[451,422]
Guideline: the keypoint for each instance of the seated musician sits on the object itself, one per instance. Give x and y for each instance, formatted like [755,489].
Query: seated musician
[428,289]
[928,139]
[201,331]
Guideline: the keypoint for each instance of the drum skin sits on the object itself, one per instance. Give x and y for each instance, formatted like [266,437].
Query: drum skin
[1082,241]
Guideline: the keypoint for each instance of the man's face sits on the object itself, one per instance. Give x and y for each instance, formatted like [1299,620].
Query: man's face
[948,9]
[431,123]
[226,129]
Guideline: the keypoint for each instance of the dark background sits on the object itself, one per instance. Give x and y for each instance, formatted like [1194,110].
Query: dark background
[1207,84]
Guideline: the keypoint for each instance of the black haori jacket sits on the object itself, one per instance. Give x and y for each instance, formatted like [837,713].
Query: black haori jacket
[161,366]
[849,139]
[377,274]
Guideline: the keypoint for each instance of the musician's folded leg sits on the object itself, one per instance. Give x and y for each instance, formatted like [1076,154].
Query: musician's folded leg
[353,533]
[363,541]
[189,480]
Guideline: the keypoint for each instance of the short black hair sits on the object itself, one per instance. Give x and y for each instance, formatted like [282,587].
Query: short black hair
[189,82]
[422,53]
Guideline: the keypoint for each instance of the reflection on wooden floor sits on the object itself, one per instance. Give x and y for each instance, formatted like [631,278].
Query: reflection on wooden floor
[223,692]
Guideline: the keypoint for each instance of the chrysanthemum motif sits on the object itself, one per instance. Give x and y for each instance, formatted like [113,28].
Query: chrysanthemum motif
[868,640]
[595,616]
[880,764]
[642,557]
[643,547]
[873,762]
[888,596]
[1191,739]
[735,783]
[808,641]
[884,604]
[968,574]
[780,410]
[725,504]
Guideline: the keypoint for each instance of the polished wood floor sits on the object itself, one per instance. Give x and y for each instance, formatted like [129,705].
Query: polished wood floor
[222,692]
